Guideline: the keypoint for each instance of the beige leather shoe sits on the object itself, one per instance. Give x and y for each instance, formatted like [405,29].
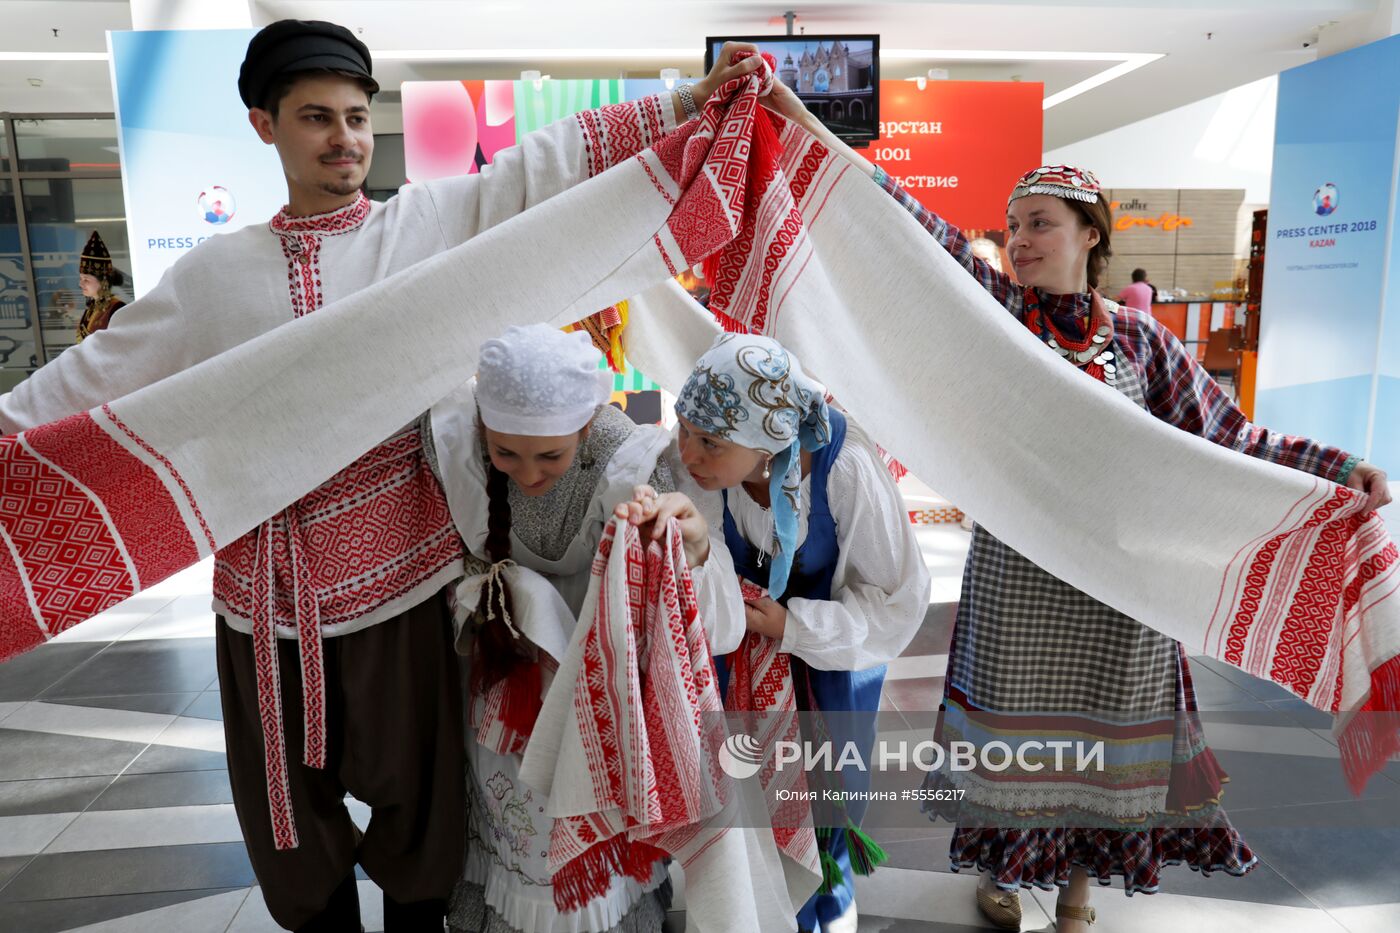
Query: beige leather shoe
[1003,908]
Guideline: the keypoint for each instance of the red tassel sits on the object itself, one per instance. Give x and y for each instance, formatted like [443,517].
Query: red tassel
[589,876]
[728,324]
[521,702]
[1373,735]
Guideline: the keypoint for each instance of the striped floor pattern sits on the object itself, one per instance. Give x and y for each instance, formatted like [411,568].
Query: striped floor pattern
[115,812]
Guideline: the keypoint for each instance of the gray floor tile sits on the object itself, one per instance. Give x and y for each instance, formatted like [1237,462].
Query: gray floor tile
[922,721]
[874,924]
[1214,691]
[1262,885]
[936,631]
[166,789]
[167,758]
[869,923]
[170,704]
[1266,781]
[173,665]
[889,712]
[50,795]
[916,695]
[53,916]
[27,676]
[1347,860]
[927,854]
[1309,717]
[893,834]
[34,755]
[206,706]
[10,866]
[1254,686]
[130,871]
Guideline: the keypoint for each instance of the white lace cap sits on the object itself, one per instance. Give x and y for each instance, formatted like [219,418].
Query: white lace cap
[540,382]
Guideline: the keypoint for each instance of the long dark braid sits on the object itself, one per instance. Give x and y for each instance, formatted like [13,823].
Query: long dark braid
[498,652]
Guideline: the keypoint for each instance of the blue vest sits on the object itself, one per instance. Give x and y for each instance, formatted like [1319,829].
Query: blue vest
[815,562]
[855,694]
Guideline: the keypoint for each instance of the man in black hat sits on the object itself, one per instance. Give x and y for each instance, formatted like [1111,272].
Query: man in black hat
[307,86]
[335,647]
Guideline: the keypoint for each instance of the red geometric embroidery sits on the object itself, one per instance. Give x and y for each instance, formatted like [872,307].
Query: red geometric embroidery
[700,224]
[331,223]
[622,131]
[1373,567]
[665,257]
[1257,578]
[1302,645]
[170,468]
[368,536]
[144,515]
[371,534]
[18,630]
[657,182]
[618,131]
[66,547]
[592,144]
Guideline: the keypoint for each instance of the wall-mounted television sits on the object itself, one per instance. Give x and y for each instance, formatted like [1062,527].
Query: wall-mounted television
[836,75]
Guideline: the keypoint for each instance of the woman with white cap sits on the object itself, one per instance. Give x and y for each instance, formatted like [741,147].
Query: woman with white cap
[811,514]
[535,463]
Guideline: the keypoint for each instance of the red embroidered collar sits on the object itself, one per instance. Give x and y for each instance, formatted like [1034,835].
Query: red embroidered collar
[341,220]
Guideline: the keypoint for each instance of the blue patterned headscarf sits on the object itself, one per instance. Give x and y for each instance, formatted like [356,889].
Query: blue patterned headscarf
[749,391]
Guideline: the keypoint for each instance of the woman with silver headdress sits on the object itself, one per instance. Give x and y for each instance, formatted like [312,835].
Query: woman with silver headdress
[1032,654]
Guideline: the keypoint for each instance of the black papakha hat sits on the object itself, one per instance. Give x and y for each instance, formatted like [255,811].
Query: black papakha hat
[292,45]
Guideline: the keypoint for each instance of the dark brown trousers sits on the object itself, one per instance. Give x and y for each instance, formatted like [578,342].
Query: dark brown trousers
[394,741]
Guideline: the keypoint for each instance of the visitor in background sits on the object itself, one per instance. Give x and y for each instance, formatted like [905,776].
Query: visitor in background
[1141,294]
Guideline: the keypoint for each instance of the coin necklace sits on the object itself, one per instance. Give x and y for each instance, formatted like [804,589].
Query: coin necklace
[1091,352]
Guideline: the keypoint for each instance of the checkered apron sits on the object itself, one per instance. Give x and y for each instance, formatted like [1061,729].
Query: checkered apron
[1028,641]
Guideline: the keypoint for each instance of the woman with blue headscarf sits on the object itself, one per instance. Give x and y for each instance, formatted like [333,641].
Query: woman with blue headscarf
[811,513]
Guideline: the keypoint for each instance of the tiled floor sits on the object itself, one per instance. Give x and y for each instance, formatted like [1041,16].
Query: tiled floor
[115,810]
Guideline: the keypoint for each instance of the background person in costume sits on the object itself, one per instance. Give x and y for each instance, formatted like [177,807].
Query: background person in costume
[334,637]
[96,276]
[535,464]
[812,514]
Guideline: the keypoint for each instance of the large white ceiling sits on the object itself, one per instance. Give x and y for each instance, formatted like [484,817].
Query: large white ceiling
[1207,46]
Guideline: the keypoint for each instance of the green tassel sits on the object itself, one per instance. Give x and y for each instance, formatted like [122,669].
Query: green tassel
[866,854]
[832,875]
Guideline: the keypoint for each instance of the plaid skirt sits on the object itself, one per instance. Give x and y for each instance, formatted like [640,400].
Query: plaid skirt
[1027,647]
[1022,858]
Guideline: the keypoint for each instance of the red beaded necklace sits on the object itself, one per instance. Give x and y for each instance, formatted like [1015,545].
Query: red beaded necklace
[1091,352]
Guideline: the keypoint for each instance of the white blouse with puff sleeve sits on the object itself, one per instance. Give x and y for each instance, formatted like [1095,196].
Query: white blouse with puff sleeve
[880,589]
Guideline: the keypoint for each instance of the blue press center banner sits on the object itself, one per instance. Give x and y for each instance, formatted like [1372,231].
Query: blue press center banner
[1331,214]
[192,167]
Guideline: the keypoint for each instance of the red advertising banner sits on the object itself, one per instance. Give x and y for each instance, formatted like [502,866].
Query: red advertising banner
[959,146]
